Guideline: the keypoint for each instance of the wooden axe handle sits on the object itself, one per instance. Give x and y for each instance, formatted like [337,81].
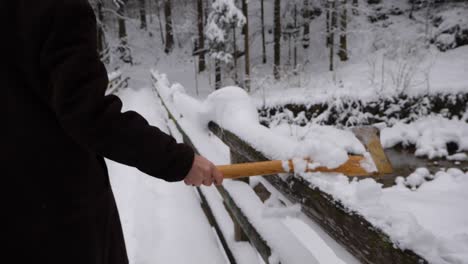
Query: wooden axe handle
[351,168]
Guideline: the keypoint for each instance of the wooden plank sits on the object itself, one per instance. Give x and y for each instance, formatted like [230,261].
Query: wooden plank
[355,233]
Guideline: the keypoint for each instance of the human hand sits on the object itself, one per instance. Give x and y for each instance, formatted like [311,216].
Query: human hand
[203,172]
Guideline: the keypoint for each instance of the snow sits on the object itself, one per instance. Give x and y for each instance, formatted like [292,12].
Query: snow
[270,228]
[429,219]
[113,75]
[458,157]
[430,136]
[232,109]
[243,252]
[312,236]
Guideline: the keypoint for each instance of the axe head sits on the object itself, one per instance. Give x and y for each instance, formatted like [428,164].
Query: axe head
[370,138]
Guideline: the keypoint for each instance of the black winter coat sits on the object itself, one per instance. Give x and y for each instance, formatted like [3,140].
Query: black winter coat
[58,204]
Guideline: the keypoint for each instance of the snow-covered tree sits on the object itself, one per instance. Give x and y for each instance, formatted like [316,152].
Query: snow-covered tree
[224,17]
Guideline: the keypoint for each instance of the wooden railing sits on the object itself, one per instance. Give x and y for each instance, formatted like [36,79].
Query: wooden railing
[116,82]
[352,231]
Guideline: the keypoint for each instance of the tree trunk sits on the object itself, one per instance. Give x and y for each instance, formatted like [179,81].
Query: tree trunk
[277,39]
[327,19]
[343,53]
[295,36]
[201,36]
[245,10]
[143,24]
[234,44]
[332,32]
[427,23]
[413,6]
[121,21]
[123,49]
[207,9]
[218,81]
[306,17]
[158,11]
[355,7]
[262,9]
[100,35]
[169,29]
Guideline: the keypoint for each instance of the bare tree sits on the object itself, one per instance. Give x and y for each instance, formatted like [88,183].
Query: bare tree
[158,11]
[327,20]
[262,15]
[332,5]
[245,11]
[343,53]
[277,39]
[201,36]
[235,52]
[413,7]
[218,78]
[143,23]
[429,7]
[100,35]
[306,17]
[169,28]
[121,22]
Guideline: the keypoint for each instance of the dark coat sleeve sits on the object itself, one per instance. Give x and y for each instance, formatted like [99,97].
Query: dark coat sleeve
[77,83]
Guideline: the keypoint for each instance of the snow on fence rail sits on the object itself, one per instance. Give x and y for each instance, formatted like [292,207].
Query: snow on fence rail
[116,82]
[273,242]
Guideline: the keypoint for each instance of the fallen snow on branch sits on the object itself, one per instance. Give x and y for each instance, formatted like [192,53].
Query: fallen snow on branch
[424,213]
[430,135]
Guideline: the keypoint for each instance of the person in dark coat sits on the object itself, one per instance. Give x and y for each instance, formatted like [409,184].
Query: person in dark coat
[59,206]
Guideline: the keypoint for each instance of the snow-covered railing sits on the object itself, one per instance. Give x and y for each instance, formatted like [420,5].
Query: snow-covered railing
[116,82]
[353,231]
[273,242]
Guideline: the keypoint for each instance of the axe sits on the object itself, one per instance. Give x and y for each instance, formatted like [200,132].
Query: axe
[369,137]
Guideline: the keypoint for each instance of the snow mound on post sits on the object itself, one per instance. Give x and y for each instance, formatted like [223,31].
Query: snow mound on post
[231,106]
[233,109]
